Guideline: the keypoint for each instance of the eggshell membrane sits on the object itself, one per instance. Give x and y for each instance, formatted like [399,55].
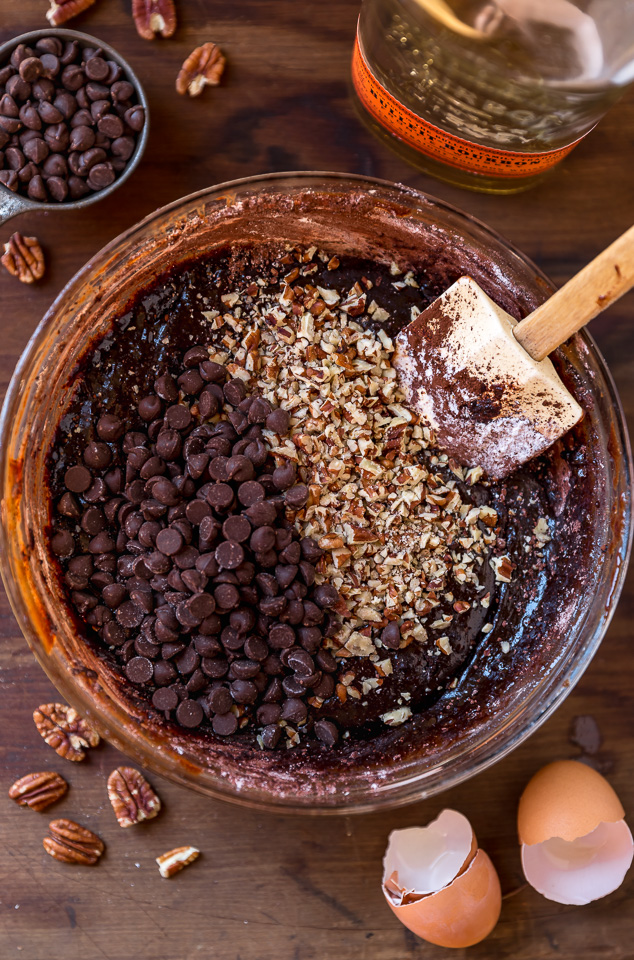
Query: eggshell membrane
[459,915]
[565,799]
[581,870]
[422,860]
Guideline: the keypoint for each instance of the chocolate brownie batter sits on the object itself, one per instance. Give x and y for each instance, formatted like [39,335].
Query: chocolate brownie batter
[407,674]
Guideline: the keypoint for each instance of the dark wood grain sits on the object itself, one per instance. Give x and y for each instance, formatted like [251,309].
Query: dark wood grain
[272,887]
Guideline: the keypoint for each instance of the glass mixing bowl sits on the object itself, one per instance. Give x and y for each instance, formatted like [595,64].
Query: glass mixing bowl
[492,709]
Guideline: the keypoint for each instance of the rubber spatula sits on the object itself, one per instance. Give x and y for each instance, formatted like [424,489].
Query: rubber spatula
[483,381]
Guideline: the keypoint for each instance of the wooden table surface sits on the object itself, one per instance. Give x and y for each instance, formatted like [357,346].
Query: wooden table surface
[274,887]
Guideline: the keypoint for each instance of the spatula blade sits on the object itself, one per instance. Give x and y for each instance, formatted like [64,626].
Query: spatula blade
[489,403]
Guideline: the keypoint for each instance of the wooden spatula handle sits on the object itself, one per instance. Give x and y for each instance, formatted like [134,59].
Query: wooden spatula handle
[594,288]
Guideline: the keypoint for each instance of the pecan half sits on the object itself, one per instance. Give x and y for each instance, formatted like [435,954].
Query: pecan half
[174,860]
[62,10]
[23,258]
[131,796]
[71,843]
[38,790]
[64,730]
[203,67]
[154,17]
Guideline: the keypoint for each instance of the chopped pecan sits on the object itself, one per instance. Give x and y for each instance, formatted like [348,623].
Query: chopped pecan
[38,790]
[203,67]
[154,17]
[71,843]
[62,10]
[23,258]
[503,568]
[174,860]
[131,796]
[64,730]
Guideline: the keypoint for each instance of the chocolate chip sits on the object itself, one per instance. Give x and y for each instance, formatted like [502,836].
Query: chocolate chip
[250,493]
[391,636]
[36,189]
[235,392]
[227,596]
[259,410]
[326,731]
[49,45]
[229,555]
[220,496]
[139,669]
[297,496]
[278,421]
[243,691]
[77,479]
[101,175]
[165,492]
[284,476]
[281,636]
[164,698]
[271,735]
[325,595]
[169,541]
[97,455]
[236,528]
[300,661]
[294,710]
[97,69]
[134,117]
[220,700]
[212,372]
[239,468]
[31,68]
[62,543]
[189,713]
[225,724]
[122,90]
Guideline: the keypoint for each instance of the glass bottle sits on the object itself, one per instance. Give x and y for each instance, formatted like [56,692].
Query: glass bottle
[490,94]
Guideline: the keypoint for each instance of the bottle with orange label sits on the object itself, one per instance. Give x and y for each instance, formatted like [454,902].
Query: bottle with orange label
[490,94]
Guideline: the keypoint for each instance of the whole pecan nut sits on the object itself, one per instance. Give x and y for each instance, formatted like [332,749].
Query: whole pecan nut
[38,790]
[131,796]
[23,258]
[174,860]
[154,18]
[203,67]
[64,730]
[71,843]
[62,10]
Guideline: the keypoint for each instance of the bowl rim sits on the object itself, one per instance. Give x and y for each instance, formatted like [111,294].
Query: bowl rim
[22,203]
[574,671]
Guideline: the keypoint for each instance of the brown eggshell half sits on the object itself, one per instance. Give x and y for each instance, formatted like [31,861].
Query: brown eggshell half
[461,914]
[565,799]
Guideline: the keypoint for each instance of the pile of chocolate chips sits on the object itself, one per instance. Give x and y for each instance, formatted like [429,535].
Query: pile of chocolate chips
[178,548]
[68,120]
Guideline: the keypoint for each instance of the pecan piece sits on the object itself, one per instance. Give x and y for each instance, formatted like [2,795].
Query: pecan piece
[203,67]
[131,796]
[154,17]
[62,10]
[64,730]
[23,258]
[174,860]
[71,843]
[38,790]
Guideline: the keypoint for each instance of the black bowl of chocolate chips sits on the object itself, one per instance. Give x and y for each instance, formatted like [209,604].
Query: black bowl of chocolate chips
[73,121]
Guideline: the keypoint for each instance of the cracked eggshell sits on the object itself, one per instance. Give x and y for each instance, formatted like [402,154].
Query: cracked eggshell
[576,846]
[439,884]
